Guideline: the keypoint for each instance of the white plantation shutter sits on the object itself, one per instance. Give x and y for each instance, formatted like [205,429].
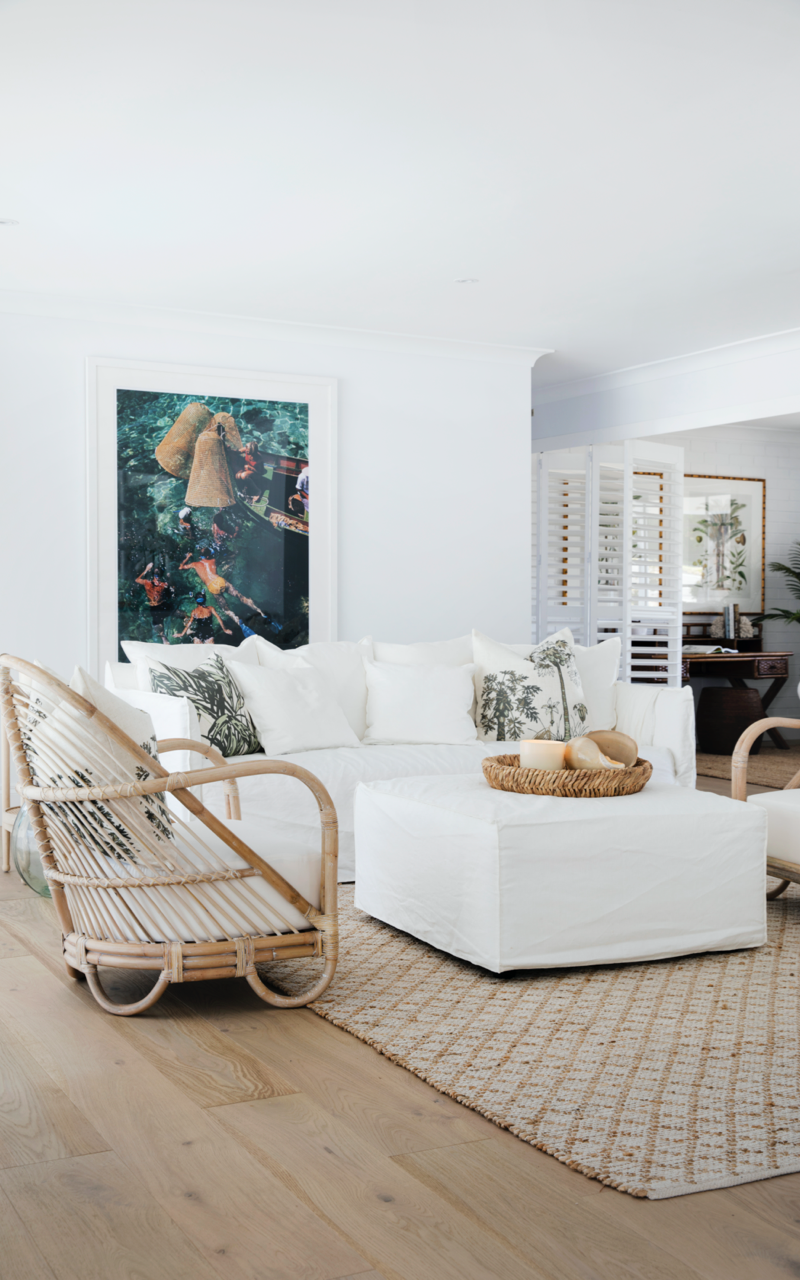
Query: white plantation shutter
[607,552]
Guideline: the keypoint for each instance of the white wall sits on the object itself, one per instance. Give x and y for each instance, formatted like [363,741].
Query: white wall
[773,456]
[434,479]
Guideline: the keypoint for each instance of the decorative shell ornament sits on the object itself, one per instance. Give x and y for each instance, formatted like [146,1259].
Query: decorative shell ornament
[617,746]
[584,753]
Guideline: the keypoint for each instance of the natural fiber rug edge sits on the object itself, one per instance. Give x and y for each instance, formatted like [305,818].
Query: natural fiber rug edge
[326,1009]
[712,1184]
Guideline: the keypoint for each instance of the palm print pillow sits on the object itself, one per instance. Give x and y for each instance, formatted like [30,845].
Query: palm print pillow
[536,696]
[218,700]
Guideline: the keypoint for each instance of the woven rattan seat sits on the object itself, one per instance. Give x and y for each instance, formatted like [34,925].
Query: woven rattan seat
[135,883]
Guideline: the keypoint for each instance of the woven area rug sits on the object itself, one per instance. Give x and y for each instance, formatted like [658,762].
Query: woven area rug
[659,1079]
[770,768]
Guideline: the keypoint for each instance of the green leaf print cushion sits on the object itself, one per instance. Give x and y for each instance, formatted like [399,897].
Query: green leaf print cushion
[217,699]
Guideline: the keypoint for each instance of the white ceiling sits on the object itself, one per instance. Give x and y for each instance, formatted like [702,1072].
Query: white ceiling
[621,176]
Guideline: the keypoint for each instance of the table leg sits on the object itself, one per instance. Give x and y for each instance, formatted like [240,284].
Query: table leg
[766,698]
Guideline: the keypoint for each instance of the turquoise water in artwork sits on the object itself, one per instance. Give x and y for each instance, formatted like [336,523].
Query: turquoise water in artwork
[248,556]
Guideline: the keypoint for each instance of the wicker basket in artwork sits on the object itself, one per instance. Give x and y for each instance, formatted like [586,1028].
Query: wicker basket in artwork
[504,774]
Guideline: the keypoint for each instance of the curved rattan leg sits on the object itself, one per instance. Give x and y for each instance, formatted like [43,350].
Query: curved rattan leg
[776,893]
[125,1010]
[292,1002]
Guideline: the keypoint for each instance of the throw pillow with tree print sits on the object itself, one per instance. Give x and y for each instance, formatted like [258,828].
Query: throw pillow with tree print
[536,696]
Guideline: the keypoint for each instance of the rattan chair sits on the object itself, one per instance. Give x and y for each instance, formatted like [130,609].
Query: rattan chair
[786,869]
[134,885]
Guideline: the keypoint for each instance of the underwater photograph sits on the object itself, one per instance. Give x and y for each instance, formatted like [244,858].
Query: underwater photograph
[213,519]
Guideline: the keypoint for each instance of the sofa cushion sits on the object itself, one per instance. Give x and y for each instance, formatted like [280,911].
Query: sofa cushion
[783,823]
[420,702]
[293,709]
[189,656]
[598,667]
[217,698]
[522,697]
[340,662]
[450,653]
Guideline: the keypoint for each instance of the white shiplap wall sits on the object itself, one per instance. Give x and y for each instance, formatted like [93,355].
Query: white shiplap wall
[774,456]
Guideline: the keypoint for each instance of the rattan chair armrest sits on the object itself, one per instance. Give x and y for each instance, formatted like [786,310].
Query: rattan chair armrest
[741,752]
[233,807]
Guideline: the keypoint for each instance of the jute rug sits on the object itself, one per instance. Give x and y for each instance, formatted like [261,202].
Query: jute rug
[770,768]
[659,1079]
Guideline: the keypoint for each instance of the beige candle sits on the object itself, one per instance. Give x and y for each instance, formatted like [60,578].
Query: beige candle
[540,753]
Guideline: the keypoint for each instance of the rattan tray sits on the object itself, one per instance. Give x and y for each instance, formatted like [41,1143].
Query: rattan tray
[504,774]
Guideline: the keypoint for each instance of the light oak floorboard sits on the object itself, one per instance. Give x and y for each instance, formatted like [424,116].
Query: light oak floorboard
[37,1120]
[209,1067]
[709,1230]
[396,1111]
[243,1220]
[497,1191]
[101,1222]
[21,1260]
[10,947]
[722,786]
[405,1230]
[13,886]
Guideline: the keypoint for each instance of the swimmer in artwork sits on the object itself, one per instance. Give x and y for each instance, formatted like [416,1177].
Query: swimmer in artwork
[200,622]
[159,598]
[206,569]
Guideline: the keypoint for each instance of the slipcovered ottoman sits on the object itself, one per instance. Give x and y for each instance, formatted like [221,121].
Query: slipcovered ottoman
[527,882]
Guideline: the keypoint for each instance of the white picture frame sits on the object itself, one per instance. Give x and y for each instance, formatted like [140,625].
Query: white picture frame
[728,567]
[106,376]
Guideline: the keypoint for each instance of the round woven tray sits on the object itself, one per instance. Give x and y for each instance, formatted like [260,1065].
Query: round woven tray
[504,774]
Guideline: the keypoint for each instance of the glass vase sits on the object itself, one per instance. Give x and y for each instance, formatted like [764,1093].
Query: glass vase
[25,854]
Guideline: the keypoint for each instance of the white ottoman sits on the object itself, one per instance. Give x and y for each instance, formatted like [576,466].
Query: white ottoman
[528,882]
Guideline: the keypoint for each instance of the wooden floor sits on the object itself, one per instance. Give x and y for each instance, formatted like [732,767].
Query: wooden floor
[219,1138]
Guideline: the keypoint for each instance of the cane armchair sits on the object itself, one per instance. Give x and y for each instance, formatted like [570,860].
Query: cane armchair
[783,807]
[138,884]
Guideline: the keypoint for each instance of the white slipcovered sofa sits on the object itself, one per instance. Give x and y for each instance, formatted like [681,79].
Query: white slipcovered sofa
[661,721]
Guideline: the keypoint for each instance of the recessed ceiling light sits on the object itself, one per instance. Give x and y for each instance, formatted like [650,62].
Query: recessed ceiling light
[467,280]
[8,222]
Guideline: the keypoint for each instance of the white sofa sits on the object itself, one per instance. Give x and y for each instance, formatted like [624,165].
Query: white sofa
[660,720]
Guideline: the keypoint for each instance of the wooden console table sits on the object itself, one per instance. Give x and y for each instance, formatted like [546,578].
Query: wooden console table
[737,668]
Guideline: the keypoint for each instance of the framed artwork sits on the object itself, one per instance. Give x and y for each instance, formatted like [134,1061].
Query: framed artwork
[202,523]
[723,543]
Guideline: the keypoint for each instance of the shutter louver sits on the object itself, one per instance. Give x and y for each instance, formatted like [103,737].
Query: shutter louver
[607,552]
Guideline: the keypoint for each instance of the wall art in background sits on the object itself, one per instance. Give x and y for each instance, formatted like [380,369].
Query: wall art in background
[205,526]
[723,543]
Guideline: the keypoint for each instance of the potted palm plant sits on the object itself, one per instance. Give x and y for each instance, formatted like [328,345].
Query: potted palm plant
[791,572]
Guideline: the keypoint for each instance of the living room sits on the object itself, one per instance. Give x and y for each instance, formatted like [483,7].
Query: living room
[403,882]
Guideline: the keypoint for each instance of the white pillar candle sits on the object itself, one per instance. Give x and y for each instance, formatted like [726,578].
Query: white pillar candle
[541,753]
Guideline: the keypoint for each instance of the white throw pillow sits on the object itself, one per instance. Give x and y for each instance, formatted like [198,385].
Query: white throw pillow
[419,702]
[292,709]
[598,668]
[443,653]
[188,656]
[121,675]
[339,662]
[521,697]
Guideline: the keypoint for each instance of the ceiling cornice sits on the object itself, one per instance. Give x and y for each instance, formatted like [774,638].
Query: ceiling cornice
[712,357]
[73,308]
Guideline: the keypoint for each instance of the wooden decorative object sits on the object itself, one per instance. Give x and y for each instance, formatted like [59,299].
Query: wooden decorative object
[786,872]
[504,774]
[105,866]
